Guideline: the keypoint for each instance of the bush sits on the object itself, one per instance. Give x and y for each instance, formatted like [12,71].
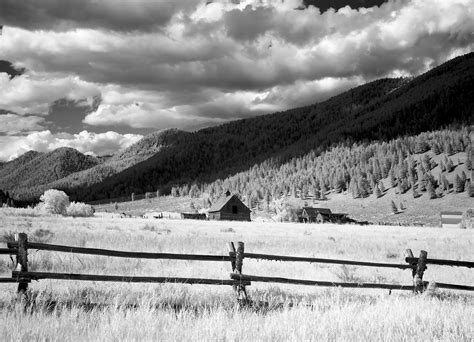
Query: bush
[54,201]
[79,209]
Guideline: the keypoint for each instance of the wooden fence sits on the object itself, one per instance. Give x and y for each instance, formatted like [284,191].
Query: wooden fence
[239,280]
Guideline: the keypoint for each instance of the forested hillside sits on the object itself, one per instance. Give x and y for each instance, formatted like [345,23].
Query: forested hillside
[94,173]
[381,110]
[422,164]
[34,168]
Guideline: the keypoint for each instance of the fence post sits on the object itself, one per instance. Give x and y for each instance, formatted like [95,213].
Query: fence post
[409,254]
[22,260]
[239,260]
[420,269]
[232,255]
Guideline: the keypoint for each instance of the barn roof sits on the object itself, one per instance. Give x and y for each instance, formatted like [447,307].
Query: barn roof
[451,213]
[221,202]
[315,211]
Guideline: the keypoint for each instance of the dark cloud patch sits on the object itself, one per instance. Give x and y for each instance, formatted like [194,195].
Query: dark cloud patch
[119,15]
[67,115]
[249,23]
[10,69]
[324,5]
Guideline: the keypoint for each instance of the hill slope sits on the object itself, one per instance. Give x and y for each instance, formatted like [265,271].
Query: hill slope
[35,168]
[95,173]
[379,110]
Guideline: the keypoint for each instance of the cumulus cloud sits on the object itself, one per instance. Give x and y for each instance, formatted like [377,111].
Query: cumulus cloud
[171,63]
[14,124]
[85,142]
[31,93]
[122,15]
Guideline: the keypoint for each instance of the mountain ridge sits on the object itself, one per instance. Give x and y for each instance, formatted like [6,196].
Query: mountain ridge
[379,110]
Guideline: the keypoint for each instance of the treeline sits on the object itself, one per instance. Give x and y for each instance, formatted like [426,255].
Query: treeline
[406,163]
[378,111]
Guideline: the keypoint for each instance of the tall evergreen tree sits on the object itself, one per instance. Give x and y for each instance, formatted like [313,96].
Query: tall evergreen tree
[394,208]
[431,190]
[458,184]
[377,192]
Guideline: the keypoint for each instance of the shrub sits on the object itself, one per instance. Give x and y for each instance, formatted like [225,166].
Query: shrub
[79,209]
[54,201]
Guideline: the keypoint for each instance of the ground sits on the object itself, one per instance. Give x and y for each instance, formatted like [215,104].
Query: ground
[184,312]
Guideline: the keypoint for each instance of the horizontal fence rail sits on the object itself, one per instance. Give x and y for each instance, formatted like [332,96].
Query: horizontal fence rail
[469,264]
[8,280]
[8,250]
[321,260]
[236,256]
[243,277]
[127,279]
[122,254]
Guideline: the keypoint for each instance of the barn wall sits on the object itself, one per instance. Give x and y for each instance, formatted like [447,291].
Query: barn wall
[235,217]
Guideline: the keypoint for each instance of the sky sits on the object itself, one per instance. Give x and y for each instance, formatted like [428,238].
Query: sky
[97,75]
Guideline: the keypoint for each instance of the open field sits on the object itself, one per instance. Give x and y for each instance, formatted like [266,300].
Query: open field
[184,312]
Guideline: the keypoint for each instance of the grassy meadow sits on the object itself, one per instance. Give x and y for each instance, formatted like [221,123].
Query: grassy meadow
[74,310]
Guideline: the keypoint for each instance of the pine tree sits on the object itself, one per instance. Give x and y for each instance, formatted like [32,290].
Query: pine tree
[323,193]
[382,188]
[431,191]
[394,208]
[364,187]
[393,181]
[435,148]
[402,207]
[378,193]
[316,193]
[458,184]
[449,165]
[422,183]
[470,189]
[415,193]
[442,166]
[355,189]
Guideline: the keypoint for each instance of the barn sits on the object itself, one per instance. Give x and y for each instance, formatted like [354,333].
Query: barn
[321,215]
[451,219]
[229,207]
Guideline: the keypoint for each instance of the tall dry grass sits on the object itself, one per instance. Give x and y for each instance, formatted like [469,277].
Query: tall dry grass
[71,310]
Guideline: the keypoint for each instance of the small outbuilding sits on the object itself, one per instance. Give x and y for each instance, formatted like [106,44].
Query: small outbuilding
[451,219]
[321,215]
[229,207]
[193,216]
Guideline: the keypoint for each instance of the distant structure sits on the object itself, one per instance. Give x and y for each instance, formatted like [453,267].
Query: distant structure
[193,216]
[321,215]
[229,207]
[451,219]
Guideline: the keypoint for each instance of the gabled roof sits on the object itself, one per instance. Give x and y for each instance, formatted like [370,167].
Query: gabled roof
[315,211]
[221,202]
[451,213]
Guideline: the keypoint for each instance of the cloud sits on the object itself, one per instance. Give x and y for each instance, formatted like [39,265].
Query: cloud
[303,93]
[34,93]
[176,64]
[121,15]
[85,142]
[14,124]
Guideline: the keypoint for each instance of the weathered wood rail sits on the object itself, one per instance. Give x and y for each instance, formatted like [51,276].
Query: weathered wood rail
[19,249]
